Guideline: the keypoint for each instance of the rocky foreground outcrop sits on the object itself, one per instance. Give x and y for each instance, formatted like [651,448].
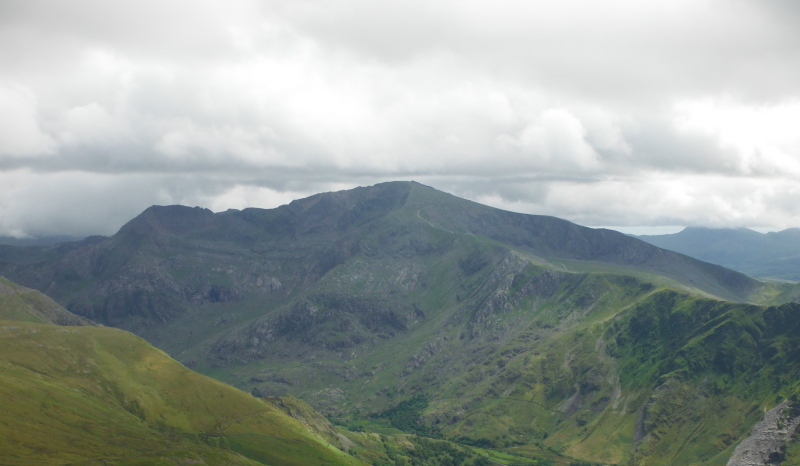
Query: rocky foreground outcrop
[764,446]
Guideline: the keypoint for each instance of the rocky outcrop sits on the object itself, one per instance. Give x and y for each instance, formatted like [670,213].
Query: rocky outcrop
[764,446]
[331,321]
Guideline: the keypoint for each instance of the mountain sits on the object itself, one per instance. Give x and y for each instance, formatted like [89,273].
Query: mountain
[170,259]
[774,255]
[398,308]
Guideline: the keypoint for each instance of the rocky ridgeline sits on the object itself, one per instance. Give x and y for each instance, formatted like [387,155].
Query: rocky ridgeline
[767,440]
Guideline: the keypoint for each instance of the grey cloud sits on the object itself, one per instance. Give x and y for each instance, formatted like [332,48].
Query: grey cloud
[595,50]
[659,145]
[561,108]
[147,28]
[80,203]
[511,190]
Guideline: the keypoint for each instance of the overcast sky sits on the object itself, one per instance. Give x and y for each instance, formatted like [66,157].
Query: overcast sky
[607,113]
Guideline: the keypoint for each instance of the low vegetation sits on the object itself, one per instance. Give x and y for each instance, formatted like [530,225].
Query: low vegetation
[103,396]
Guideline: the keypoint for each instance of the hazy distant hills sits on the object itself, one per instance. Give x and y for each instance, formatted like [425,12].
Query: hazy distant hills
[397,308]
[768,255]
[38,241]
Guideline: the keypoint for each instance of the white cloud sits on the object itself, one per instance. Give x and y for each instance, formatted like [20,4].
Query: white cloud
[243,196]
[556,142]
[20,134]
[667,200]
[92,124]
[765,136]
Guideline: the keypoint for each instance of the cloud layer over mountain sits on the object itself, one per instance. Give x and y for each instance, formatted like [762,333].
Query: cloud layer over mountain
[606,113]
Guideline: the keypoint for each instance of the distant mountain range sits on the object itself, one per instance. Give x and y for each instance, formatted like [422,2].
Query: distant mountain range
[399,309]
[774,255]
[38,241]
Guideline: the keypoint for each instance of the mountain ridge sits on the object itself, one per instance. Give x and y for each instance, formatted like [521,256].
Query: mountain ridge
[328,217]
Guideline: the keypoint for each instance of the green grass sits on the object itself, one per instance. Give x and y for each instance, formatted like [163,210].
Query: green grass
[82,394]
[510,459]
[23,304]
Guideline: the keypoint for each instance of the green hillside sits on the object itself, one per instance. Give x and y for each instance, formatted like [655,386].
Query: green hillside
[92,395]
[599,367]
[24,304]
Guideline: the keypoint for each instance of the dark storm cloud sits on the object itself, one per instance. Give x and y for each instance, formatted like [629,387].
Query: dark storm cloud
[580,109]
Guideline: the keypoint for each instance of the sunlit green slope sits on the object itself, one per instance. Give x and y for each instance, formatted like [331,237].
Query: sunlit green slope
[25,304]
[93,395]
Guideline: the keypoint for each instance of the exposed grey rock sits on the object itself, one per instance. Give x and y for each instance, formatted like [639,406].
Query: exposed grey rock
[763,446]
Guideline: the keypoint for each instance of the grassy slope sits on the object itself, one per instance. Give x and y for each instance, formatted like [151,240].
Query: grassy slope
[394,448]
[103,396]
[717,366]
[73,394]
[674,379]
[24,304]
[550,237]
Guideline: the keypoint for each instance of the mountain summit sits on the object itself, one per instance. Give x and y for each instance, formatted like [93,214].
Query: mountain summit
[171,257]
